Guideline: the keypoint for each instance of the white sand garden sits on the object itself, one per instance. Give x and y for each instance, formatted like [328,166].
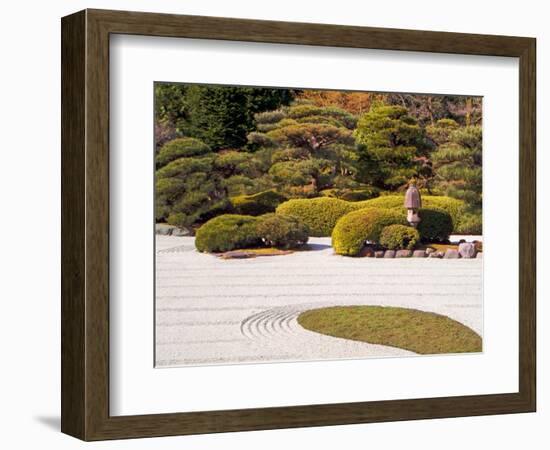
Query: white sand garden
[215,311]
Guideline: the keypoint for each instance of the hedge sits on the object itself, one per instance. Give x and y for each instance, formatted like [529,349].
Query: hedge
[321,214]
[257,204]
[353,229]
[278,230]
[456,208]
[235,231]
[228,232]
[318,214]
[435,225]
[180,148]
[352,194]
[471,223]
[399,237]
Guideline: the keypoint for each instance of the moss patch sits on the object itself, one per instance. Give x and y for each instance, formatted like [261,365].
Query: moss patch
[268,251]
[442,247]
[409,329]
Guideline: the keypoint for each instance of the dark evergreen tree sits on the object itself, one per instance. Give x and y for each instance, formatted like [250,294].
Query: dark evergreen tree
[458,161]
[390,143]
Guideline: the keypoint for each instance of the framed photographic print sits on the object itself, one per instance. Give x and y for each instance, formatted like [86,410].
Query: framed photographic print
[272,225]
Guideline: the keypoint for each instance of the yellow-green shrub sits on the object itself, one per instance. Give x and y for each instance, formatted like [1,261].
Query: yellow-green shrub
[227,232]
[179,148]
[355,228]
[318,214]
[399,237]
[278,230]
[456,208]
[352,194]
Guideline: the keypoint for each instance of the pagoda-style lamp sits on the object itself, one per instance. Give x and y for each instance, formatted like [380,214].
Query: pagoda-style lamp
[413,202]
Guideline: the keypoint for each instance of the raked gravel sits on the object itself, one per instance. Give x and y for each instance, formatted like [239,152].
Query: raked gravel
[215,311]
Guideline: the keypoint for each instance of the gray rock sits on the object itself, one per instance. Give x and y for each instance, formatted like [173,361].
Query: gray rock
[451,254]
[403,253]
[163,229]
[237,254]
[467,250]
[479,255]
[419,254]
[436,255]
[379,254]
[180,232]
[389,254]
[367,251]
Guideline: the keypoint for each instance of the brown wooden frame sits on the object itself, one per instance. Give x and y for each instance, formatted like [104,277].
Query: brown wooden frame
[85,224]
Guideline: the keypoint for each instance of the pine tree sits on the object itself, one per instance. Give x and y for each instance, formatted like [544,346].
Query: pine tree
[389,146]
[458,162]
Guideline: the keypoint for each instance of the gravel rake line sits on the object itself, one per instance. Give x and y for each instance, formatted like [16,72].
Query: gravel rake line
[207,309]
[202,342]
[355,268]
[324,276]
[337,294]
[365,282]
[197,324]
[229,359]
[177,249]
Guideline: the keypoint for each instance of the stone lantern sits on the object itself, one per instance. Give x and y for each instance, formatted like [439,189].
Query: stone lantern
[413,202]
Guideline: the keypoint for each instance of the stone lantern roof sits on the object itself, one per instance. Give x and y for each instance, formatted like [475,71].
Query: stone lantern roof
[413,199]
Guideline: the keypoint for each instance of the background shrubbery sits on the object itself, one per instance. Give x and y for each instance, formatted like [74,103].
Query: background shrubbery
[257,204]
[179,148]
[228,149]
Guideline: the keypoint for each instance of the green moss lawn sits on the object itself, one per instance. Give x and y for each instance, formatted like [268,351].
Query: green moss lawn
[409,329]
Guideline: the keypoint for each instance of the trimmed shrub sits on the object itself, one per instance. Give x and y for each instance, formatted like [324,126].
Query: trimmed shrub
[185,167]
[278,230]
[456,208]
[436,225]
[269,116]
[355,228]
[257,204]
[352,195]
[259,139]
[179,148]
[227,232]
[399,237]
[471,223]
[318,214]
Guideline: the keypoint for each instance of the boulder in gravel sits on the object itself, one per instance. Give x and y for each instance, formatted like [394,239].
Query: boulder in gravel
[237,254]
[367,251]
[467,250]
[451,254]
[163,229]
[403,253]
[180,232]
[389,254]
[419,254]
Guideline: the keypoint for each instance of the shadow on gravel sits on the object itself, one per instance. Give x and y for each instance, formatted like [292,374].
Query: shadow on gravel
[315,247]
